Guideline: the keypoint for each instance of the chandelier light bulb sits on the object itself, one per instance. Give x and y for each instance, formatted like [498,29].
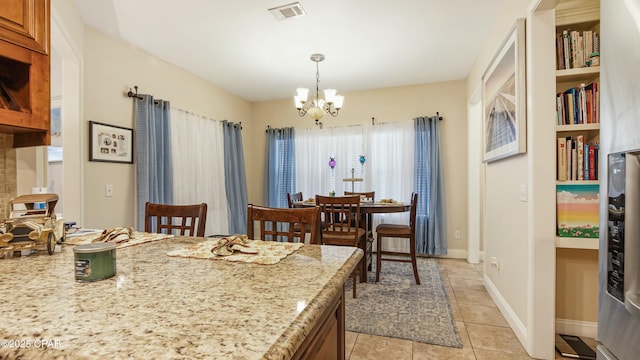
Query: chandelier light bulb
[330,95]
[303,94]
[337,102]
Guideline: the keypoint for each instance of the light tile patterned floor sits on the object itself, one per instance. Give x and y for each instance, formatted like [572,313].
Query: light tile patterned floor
[484,332]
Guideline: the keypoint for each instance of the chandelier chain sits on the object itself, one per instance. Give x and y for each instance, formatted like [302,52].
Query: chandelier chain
[317,82]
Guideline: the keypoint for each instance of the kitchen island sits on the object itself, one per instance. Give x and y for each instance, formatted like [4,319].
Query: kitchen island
[157,306]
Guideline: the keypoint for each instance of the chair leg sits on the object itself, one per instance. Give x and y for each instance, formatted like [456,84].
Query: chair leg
[378,256]
[354,283]
[412,247]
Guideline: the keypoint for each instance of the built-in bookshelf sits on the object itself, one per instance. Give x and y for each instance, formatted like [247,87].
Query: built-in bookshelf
[577,125]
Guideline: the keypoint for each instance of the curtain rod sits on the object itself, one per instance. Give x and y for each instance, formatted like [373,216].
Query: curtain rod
[135,94]
[373,119]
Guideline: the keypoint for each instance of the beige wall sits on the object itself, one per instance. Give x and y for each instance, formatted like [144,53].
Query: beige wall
[577,285]
[507,222]
[386,105]
[520,235]
[111,68]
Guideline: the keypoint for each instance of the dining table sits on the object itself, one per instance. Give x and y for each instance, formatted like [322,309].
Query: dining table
[367,209]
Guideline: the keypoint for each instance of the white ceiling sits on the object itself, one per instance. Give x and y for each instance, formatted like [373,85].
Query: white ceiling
[241,47]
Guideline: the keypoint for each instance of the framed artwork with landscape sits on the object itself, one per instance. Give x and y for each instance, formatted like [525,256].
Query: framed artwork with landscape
[504,100]
[110,143]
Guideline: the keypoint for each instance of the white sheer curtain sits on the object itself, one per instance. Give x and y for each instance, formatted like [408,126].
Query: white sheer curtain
[198,163]
[388,169]
[314,149]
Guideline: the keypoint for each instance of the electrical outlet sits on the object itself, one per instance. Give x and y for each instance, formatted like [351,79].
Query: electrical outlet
[494,263]
[108,190]
[458,234]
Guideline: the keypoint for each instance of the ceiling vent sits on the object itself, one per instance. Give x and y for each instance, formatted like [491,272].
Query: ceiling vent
[288,11]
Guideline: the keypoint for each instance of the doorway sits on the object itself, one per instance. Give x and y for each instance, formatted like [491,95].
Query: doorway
[59,168]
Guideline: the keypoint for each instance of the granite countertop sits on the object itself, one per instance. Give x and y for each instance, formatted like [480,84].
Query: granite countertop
[167,307]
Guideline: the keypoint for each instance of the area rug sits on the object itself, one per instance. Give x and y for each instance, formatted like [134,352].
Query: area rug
[396,307]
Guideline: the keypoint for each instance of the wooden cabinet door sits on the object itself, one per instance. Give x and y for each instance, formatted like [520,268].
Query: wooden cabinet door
[25,23]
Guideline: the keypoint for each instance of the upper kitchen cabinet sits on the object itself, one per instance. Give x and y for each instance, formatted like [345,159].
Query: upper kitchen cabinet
[25,71]
[26,23]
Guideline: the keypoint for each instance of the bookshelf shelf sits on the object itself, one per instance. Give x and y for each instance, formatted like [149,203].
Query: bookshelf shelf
[578,182]
[577,243]
[578,127]
[577,74]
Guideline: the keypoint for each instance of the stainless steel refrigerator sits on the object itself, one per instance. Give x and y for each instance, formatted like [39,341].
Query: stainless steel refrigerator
[619,253]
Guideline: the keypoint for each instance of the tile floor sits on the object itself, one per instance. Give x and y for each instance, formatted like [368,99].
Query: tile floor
[484,332]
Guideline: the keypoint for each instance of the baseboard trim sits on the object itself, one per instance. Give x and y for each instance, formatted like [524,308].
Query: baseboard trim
[587,329]
[514,322]
[458,254]
[455,254]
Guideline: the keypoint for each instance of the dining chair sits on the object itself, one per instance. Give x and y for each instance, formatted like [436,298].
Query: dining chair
[339,215]
[186,220]
[294,197]
[399,231]
[365,222]
[277,224]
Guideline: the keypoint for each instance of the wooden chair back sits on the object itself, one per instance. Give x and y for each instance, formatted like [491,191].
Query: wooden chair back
[294,197]
[340,216]
[367,194]
[290,225]
[185,220]
[413,213]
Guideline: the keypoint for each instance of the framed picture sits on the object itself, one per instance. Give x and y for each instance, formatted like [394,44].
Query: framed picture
[110,143]
[504,98]
[578,210]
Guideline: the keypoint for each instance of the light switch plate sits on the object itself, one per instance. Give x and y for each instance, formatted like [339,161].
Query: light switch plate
[108,190]
[523,192]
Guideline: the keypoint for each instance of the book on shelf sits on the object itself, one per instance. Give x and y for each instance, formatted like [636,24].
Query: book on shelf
[577,49]
[577,158]
[562,159]
[578,105]
[560,108]
[586,162]
[560,51]
[574,161]
[580,156]
[583,105]
[593,162]
[566,57]
[569,157]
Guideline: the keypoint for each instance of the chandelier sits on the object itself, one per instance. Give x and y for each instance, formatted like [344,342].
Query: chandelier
[331,103]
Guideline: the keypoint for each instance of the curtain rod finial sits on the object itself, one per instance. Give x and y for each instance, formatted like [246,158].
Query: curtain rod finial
[131,94]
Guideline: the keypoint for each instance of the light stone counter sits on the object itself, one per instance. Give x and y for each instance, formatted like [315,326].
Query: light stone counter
[159,307]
